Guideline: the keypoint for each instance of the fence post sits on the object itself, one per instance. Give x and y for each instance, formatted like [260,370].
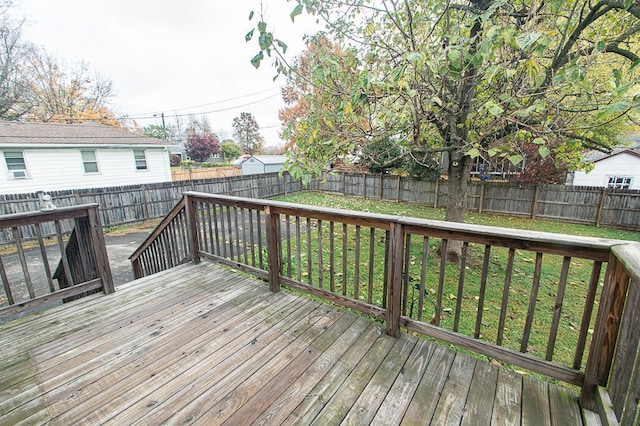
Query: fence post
[145,206]
[534,208]
[273,248]
[395,279]
[100,250]
[605,335]
[481,202]
[435,195]
[603,195]
[192,228]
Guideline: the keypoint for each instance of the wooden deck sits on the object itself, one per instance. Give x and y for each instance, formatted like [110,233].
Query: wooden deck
[204,345]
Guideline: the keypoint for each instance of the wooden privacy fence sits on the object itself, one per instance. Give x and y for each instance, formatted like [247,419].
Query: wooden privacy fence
[205,173]
[28,275]
[563,306]
[587,205]
[136,203]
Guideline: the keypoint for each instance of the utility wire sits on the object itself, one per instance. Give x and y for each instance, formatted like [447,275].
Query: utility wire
[146,114]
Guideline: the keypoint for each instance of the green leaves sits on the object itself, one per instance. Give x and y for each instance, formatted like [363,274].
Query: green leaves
[295,12]
[493,108]
[526,40]
[249,35]
[255,61]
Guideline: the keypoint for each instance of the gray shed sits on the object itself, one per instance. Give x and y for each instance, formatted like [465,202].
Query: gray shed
[259,164]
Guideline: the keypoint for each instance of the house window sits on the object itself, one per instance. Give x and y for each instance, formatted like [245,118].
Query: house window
[619,182]
[89,161]
[15,164]
[216,155]
[141,159]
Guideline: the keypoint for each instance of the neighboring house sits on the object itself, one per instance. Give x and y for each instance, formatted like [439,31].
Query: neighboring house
[47,157]
[618,170]
[263,164]
[217,158]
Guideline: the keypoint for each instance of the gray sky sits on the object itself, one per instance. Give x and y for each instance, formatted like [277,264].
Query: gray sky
[172,57]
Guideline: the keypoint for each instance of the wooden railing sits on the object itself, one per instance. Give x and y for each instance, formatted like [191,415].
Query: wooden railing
[26,266]
[562,306]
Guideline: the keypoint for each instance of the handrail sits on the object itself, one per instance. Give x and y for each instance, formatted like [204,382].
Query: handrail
[164,244]
[375,263]
[83,266]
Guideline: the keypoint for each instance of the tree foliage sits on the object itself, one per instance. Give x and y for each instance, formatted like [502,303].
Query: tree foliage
[231,150]
[466,78]
[246,131]
[201,141]
[38,87]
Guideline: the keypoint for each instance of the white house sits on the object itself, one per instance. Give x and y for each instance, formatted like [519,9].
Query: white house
[619,170]
[263,164]
[47,157]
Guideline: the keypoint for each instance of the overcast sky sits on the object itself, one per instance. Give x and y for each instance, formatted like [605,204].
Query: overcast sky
[172,57]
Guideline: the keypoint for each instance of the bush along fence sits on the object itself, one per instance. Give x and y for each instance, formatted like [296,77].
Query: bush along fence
[121,205]
[585,205]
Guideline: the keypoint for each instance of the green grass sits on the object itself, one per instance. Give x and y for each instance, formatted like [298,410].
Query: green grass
[521,279]
[419,211]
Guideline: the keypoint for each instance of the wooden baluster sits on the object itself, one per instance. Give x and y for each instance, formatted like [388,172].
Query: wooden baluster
[332,281]
[557,308]
[483,290]
[356,279]
[423,277]
[273,243]
[586,315]
[320,266]
[45,258]
[461,280]
[532,304]
[505,296]
[406,273]
[372,246]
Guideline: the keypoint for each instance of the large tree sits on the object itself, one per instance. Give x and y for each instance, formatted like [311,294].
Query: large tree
[201,141]
[66,93]
[13,86]
[469,78]
[246,131]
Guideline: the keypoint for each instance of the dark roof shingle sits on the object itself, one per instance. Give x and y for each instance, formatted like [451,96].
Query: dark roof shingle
[90,133]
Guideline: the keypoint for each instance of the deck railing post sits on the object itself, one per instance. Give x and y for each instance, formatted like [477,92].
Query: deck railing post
[192,227]
[603,343]
[273,248]
[100,250]
[394,269]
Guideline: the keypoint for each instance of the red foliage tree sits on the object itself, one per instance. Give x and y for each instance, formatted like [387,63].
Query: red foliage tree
[200,146]
[539,169]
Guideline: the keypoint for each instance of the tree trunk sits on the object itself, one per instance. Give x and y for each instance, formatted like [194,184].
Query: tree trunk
[456,198]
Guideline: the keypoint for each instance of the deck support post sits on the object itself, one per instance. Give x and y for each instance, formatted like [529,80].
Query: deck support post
[394,268]
[605,335]
[192,228]
[100,250]
[273,248]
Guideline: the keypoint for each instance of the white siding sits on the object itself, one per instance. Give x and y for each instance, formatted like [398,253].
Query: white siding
[621,165]
[59,169]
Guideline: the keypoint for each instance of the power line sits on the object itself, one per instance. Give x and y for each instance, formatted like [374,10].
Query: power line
[145,114]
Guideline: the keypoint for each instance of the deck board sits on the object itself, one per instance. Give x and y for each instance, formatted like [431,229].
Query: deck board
[200,344]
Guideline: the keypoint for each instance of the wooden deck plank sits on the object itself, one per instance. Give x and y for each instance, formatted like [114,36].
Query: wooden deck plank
[259,396]
[450,407]
[508,398]
[366,406]
[564,410]
[395,405]
[425,399]
[483,383]
[131,362]
[58,370]
[535,402]
[202,344]
[320,395]
[217,403]
[173,375]
[302,386]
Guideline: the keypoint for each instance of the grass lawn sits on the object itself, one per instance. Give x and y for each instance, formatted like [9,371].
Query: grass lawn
[341,266]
